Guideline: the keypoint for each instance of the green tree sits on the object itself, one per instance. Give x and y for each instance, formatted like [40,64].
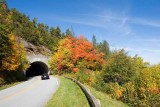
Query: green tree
[52,31]
[68,32]
[34,21]
[104,48]
[57,32]
[5,44]
[119,68]
[94,41]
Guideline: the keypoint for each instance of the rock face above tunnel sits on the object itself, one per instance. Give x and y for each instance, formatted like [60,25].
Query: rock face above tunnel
[32,49]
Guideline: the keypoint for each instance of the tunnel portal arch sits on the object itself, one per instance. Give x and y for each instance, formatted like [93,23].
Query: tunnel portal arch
[37,68]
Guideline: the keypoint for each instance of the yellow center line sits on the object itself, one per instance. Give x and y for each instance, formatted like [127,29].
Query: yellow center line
[21,91]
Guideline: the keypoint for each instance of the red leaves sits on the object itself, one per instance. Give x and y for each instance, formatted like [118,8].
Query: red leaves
[76,53]
[75,70]
[82,49]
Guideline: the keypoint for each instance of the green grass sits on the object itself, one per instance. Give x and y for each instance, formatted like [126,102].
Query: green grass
[105,100]
[68,95]
[8,85]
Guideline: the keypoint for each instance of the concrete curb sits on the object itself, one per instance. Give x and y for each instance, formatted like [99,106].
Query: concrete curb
[93,102]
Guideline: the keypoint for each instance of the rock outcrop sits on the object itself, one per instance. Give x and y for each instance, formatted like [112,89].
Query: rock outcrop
[32,49]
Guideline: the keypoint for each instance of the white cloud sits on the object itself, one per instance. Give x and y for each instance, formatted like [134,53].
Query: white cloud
[141,21]
[82,21]
[126,19]
[148,40]
[111,24]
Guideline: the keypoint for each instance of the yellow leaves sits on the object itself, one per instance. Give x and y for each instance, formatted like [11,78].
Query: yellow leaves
[91,79]
[114,90]
[149,80]
[154,89]
[118,91]
[10,63]
[23,57]
[62,58]
[13,61]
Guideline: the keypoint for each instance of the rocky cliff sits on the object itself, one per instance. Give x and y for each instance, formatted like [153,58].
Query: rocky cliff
[32,49]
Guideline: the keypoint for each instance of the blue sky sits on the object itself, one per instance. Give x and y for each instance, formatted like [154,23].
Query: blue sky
[130,24]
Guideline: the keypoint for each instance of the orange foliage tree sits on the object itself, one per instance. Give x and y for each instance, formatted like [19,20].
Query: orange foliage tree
[74,54]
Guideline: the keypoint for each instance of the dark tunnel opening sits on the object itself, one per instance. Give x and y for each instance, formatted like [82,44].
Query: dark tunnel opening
[37,68]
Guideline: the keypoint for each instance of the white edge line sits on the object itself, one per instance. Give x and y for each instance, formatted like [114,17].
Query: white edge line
[57,82]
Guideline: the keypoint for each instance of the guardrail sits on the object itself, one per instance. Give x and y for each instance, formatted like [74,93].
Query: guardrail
[93,102]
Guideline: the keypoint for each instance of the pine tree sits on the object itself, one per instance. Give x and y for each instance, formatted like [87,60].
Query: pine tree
[94,41]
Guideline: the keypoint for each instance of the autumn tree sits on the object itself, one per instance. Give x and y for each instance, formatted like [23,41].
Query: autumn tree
[75,53]
[14,60]
[61,60]
[11,62]
[83,49]
[147,87]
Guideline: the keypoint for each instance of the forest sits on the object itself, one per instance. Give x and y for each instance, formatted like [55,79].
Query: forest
[125,78]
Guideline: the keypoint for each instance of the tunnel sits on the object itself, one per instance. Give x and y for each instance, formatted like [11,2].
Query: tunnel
[37,68]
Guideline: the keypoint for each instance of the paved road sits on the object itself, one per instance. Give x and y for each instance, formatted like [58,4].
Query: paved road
[32,93]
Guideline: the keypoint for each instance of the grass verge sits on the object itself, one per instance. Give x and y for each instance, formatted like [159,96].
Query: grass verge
[69,94]
[8,85]
[105,100]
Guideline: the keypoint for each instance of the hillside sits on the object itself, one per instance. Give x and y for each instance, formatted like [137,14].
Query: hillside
[30,30]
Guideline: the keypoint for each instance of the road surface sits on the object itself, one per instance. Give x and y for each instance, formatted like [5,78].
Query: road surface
[32,93]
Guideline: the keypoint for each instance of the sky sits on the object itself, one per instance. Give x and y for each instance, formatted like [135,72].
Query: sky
[133,25]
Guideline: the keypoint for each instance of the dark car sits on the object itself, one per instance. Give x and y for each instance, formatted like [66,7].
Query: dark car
[44,76]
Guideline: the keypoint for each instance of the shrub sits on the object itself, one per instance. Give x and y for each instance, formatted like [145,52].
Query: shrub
[82,76]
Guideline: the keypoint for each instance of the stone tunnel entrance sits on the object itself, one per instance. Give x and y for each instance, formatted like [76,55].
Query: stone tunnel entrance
[37,68]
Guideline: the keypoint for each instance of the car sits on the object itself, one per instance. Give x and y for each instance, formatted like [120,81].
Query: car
[45,76]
